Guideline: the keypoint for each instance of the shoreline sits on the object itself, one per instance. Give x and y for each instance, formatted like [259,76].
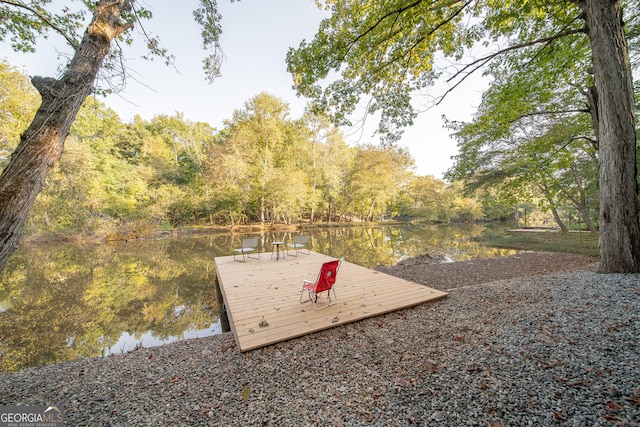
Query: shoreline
[551,349]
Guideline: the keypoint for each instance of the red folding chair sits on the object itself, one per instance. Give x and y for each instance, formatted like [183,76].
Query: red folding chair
[324,283]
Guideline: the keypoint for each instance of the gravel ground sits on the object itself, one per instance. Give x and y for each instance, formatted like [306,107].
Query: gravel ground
[553,349]
[431,271]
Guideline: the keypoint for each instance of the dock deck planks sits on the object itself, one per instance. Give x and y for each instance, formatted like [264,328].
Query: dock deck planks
[269,290]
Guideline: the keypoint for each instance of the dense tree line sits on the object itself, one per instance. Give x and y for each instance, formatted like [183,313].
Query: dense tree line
[130,179]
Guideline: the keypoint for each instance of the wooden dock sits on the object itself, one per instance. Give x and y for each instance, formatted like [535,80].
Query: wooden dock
[262,297]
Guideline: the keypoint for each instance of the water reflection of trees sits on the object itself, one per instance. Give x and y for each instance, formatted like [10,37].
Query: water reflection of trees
[68,301]
[371,246]
[63,301]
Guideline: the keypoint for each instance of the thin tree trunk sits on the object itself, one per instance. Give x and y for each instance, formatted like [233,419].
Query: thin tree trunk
[554,211]
[559,221]
[42,143]
[579,203]
[582,206]
[313,182]
[615,109]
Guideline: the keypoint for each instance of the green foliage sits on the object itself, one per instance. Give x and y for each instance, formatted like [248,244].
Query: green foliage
[209,19]
[382,50]
[428,198]
[18,103]
[378,53]
[23,23]
[120,180]
[534,134]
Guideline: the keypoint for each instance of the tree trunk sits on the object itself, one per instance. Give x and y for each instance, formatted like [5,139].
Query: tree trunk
[552,205]
[619,227]
[579,203]
[582,205]
[42,143]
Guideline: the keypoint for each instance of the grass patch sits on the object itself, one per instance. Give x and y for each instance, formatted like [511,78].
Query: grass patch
[583,243]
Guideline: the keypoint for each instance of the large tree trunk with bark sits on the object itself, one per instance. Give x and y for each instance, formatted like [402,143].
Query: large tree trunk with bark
[619,227]
[42,143]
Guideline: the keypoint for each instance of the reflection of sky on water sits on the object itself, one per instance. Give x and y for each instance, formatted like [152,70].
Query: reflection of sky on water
[128,342]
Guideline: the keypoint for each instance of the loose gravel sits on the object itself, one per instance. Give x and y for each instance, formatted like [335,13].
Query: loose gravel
[557,349]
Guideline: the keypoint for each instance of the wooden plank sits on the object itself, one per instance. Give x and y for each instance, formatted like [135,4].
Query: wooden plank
[262,297]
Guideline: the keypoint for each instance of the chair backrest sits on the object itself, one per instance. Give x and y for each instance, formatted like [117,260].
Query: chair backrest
[250,242]
[301,239]
[327,276]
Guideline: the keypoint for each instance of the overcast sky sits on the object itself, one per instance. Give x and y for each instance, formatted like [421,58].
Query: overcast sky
[256,37]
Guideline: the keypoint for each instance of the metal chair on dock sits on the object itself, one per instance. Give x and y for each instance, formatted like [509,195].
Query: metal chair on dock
[300,242]
[249,245]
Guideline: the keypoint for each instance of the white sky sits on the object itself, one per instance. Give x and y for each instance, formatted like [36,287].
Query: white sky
[256,37]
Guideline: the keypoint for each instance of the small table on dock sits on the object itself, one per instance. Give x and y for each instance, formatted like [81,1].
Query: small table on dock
[277,245]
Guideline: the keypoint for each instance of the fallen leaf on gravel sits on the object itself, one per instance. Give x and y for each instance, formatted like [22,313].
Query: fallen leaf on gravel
[473,367]
[403,382]
[583,381]
[431,365]
[635,400]
[551,363]
[615,420]
[613,406]
[246,391]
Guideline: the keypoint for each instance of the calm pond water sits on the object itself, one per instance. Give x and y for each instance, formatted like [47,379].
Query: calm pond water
[63,301]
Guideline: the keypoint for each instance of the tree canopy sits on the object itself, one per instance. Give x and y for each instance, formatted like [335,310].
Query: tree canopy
[98,50]
[544,56]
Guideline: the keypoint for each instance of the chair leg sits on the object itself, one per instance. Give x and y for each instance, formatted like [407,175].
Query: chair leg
[310,299]
[329,304]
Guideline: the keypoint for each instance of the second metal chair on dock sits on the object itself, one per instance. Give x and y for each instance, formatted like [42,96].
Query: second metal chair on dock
[249,244]
[299,242]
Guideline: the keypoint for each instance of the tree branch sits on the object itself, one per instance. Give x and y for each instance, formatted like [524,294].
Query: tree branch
[378,22]
[44,19]
[516,47]
[481,62]
[545,112]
